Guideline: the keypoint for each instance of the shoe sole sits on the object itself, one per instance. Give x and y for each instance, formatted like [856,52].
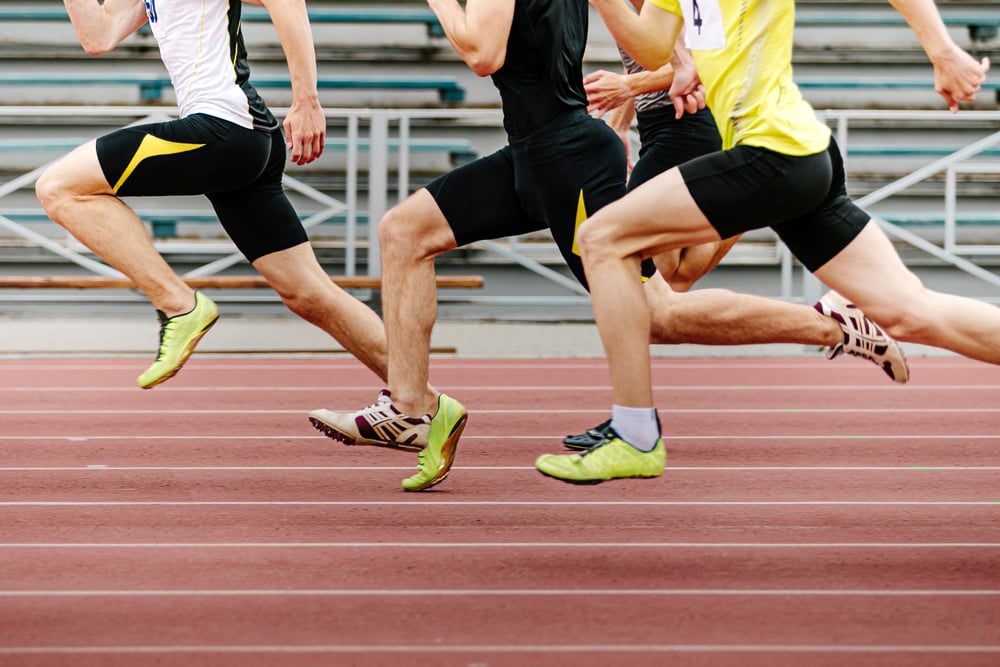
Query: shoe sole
[340,436]
[578,482]
[887,366]
[591,482]
[447,456]
[185,355]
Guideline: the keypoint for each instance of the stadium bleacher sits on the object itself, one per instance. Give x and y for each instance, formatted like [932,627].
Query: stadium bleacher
[839,61]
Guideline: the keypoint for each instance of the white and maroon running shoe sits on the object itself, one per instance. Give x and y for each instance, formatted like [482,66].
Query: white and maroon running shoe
[863,338]
[379,425]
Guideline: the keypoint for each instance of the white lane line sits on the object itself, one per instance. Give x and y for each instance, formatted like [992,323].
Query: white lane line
[918,649]
[535,592]
[993,503]
[500,545]
[520,388]
[107,468]
[720,363]
[524,411]
[500,436]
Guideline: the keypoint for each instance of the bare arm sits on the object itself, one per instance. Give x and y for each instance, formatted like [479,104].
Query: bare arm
[686,90]
[957,75]
[648,37]
[609,90]
[479,32]
[305,124]
[102,27]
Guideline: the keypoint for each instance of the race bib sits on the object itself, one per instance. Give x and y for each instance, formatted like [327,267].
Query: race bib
[703,29]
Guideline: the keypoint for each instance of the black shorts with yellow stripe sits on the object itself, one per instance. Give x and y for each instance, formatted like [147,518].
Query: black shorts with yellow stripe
[238,169]
[555,177]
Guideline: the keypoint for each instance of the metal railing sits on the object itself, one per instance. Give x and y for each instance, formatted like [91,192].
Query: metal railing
[380,129]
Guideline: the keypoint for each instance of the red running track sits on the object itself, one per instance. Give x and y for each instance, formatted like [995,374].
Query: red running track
[812,513]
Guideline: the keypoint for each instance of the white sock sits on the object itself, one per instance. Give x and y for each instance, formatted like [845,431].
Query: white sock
[637,426]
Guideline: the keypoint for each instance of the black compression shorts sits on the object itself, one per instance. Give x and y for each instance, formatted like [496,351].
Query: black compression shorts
[239,170]
[804,199]
[666,141]
[556,177]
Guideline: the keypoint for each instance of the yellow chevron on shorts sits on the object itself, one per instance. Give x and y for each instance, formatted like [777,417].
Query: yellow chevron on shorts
[581,215]
[153,147]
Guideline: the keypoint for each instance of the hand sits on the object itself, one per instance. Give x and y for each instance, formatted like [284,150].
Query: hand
[305,132]
[686,92]
[605,91]
[958,77]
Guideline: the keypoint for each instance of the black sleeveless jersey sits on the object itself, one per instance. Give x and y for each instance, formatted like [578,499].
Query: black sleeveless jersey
[542,75]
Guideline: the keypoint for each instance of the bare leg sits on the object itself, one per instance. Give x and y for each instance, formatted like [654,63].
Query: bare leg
[683,267]
[75,194]
[870,273]
[411,235]
[303,285]
[722,317]
[611,252]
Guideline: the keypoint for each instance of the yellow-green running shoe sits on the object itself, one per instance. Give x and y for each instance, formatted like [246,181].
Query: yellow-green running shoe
[434,460]
[178,337]
[612,459]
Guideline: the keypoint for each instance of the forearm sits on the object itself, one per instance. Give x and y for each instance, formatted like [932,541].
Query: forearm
[925,21]
[681,56]
[650,82]
[102,27]
[291,22]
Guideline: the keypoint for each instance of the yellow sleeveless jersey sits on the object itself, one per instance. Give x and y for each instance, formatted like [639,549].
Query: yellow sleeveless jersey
[743,52]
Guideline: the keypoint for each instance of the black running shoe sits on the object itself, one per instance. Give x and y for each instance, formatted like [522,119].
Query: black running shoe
[589,438]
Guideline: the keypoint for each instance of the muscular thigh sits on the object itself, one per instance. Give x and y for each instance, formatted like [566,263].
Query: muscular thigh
[193,155]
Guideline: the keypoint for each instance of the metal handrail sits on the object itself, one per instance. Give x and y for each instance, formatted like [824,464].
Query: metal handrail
[387,126]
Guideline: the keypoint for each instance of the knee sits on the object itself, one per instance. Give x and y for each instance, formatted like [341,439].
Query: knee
[305,300]
[396,233]
[57,191]
[596,241]
[49,191]
[414,231]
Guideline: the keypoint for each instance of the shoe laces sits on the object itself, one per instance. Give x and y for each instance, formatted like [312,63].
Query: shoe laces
[601,429]
[382,404]
[164,330]
[609,435]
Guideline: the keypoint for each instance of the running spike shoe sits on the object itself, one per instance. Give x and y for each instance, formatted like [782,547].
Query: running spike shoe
[379,425]
[863,338]
[589,438]
[178,337]
[434,460]
[614,458]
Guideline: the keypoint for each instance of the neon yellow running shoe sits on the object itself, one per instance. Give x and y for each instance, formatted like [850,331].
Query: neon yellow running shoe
[434,460]
[612,459]
[178,337]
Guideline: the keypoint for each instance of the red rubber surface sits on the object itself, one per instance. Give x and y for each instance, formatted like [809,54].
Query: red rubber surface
[812,513]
